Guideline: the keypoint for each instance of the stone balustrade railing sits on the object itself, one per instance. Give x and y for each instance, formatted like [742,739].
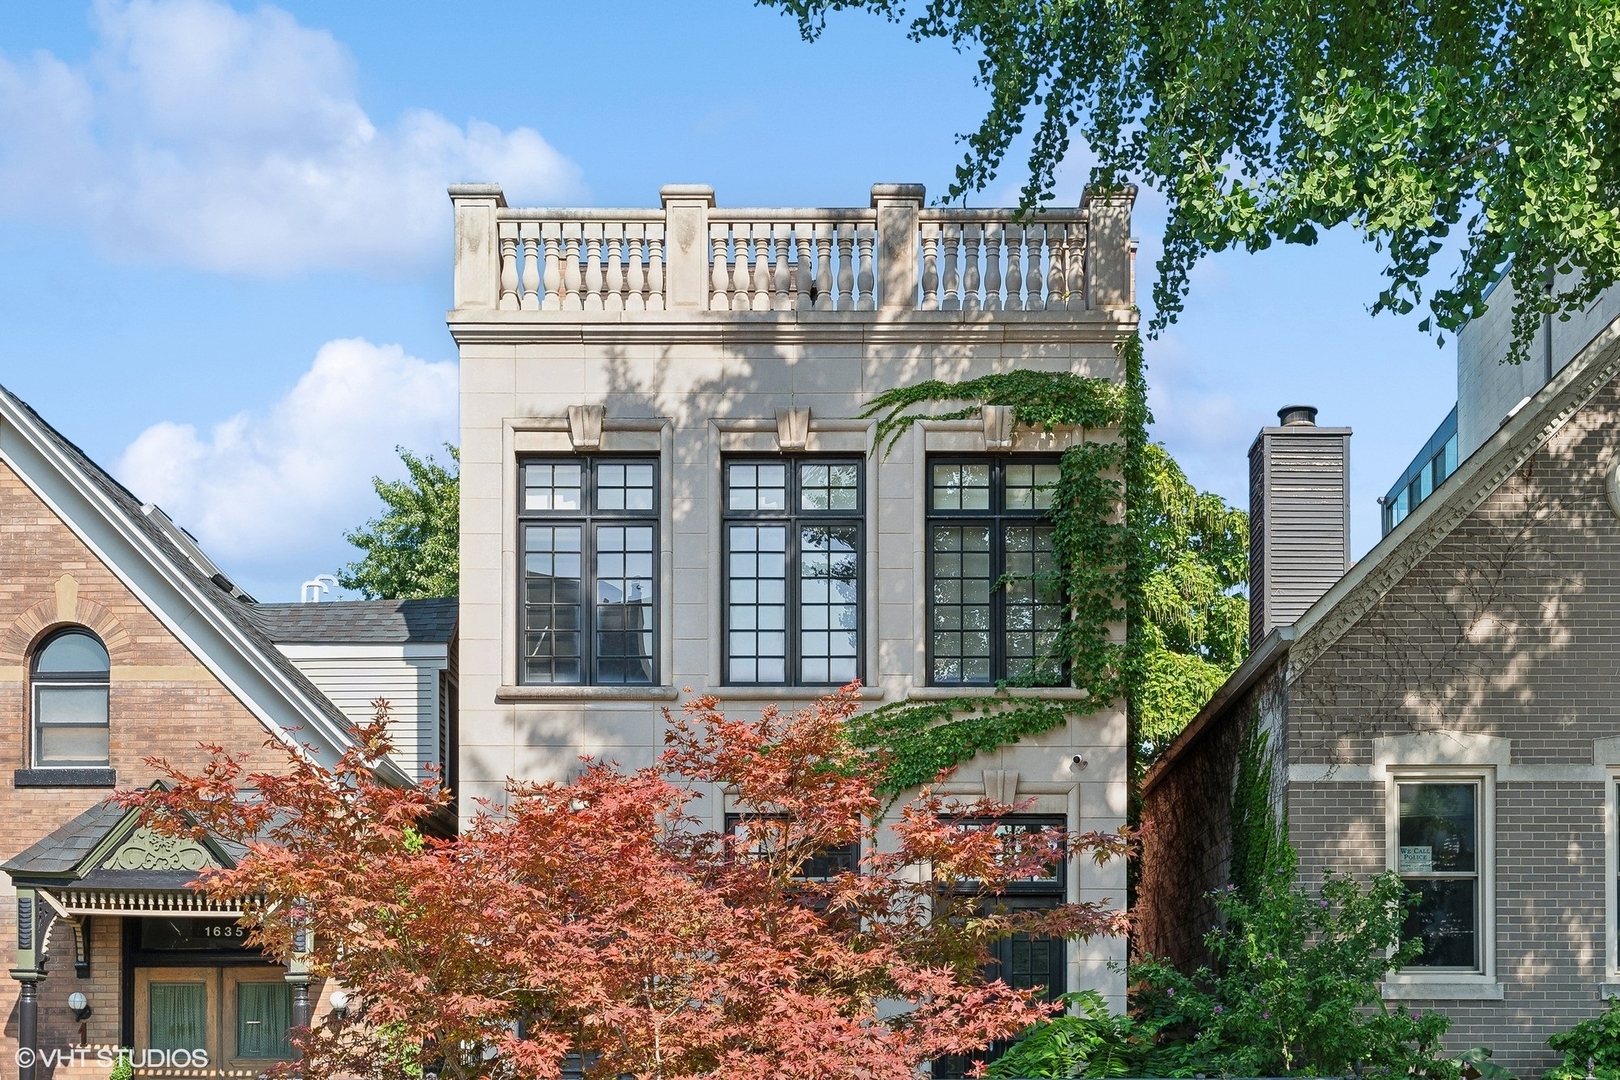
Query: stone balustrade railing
[892,256]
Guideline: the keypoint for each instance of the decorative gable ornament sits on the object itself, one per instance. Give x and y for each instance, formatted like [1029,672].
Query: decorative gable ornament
[585,426]
[998,426]
[148,850]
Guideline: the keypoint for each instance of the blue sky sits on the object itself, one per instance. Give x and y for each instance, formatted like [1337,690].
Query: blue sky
[224,241]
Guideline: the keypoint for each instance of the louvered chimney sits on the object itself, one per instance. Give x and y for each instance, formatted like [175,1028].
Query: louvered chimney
[1299,517]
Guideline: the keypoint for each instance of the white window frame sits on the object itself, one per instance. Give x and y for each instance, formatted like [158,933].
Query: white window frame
[1611,887]
[1419,984]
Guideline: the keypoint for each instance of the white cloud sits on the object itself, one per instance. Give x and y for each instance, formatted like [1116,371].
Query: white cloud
[234,141]
[260,489]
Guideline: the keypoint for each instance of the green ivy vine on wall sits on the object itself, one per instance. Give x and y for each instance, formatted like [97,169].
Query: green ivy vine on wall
[1092,545]
[1133,540]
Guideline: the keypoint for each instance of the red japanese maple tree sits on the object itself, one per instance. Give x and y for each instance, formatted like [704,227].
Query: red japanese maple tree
[608,922]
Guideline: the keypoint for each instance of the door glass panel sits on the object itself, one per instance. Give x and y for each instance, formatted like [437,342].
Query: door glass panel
[179,1016]
[263,1015]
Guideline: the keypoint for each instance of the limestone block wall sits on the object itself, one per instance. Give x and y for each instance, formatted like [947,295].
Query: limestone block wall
[690,384]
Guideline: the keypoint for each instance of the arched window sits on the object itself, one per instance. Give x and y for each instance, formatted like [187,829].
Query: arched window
[69,680]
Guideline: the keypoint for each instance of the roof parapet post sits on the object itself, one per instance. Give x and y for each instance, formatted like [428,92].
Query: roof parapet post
[686,244]
[897,206]
[478,257]
[1109,252]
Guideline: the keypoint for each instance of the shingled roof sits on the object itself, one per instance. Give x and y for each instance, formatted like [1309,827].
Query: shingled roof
[366,622]
[219,594]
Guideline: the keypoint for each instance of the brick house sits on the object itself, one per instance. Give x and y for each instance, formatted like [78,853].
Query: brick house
[668,488]
[1443,709]
[120,641]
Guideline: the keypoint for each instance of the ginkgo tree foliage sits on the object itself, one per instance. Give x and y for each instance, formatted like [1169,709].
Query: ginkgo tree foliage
[1489,126]
[608,924]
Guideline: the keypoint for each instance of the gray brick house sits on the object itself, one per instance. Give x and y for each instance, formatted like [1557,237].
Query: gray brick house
[1445,708]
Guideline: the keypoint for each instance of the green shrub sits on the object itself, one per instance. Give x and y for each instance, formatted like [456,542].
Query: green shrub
[1597,1040]
[1295,988]
[1091,1041]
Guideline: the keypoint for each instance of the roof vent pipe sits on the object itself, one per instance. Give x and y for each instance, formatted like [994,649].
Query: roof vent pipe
[1297,415]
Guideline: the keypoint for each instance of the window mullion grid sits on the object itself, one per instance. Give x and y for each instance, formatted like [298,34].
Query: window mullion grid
[793,568]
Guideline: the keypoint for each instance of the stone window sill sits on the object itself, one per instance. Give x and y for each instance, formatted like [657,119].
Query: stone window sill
[64,778]
[791,693]
[508,694]
[1045,693]
[1463,989]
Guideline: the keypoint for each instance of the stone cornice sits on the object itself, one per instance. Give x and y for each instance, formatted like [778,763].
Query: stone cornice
[1344,605]
[482,326]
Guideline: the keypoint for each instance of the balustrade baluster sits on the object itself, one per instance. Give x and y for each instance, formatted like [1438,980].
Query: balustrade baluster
[1074,251]
[804,288]
[720,268]
[972,235]
[593,266]
[655,268]
[529,262]
[509,270]
[742,270]
[992,267]
[1034,235]
[635,250]
[572,271]
[761,297]
[780,274]
[865,237]
[930,266]
[1057,294]
[951,239]
[1015,267]
[846,266]
[824,266]
[550,234]
[613,286]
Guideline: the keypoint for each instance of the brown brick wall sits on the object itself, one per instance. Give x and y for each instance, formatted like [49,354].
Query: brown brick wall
[1187,844]
[162,703]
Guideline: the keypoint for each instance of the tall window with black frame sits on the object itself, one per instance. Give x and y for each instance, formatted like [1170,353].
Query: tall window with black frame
[995,600]
[589,534]
[1022,961]
[793,571]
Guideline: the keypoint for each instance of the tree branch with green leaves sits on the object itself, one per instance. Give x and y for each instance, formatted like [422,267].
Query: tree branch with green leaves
[1489,126]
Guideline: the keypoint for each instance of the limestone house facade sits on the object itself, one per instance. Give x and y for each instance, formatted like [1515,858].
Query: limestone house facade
[120,641]
[668,489]
[1443,709]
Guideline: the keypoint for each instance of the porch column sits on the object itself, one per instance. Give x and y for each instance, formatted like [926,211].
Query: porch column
[27,1023]
[33,923]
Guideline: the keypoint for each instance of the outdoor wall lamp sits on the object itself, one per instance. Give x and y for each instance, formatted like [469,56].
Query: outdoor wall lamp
[339,1002]
[79,1006]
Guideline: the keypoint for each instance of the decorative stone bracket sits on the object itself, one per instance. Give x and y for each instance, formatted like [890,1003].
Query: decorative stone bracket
[585,426]
[998,426]
[792,428]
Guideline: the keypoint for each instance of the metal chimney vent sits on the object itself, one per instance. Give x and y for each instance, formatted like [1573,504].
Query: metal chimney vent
[1299,517]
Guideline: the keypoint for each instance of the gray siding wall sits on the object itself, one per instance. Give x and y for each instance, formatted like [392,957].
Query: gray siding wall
[1299,523]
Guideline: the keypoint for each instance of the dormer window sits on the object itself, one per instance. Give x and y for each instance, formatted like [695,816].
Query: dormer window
[68,678]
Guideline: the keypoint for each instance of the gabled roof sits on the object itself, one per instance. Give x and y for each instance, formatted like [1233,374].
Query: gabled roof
[94,850]
[1354,595]
[1487,468]
[204,611]
[365,622]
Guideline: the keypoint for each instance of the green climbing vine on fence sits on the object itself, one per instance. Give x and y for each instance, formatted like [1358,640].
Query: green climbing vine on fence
[1093,531]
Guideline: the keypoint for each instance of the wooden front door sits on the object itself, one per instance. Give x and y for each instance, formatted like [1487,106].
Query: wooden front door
[210,1021]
